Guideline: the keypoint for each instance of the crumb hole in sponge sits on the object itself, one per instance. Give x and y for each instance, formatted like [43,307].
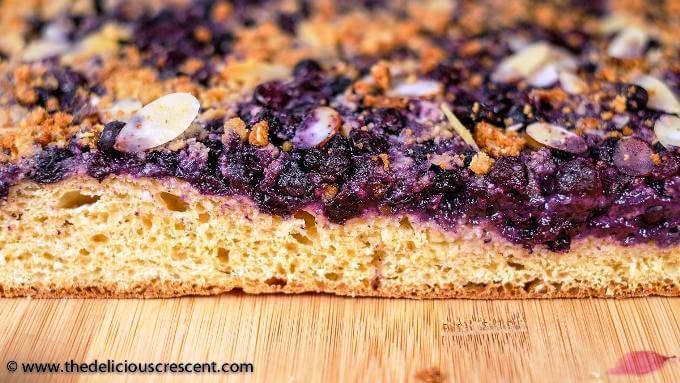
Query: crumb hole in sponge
[173,202]
[302,239]
[405,223]
[516,265]
[310,222]
[203,217]
[534,285]
[275,281]
[178,254]
[222,255]
[74,199]
[100,238]
[332,276]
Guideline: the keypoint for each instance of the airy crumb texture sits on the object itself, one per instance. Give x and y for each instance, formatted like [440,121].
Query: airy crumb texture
[148,238]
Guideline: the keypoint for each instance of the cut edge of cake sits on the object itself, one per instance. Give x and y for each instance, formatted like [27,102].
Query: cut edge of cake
[129,237]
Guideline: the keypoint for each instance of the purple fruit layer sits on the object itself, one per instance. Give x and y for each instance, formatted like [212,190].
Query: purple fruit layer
[542,197]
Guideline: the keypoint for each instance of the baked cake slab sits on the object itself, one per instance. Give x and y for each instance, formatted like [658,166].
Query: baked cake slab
[433,149]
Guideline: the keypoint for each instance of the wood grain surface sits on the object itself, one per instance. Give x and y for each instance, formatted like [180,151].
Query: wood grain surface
[314,338]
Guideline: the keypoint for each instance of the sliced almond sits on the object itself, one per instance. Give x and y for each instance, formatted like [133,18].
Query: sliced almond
[42,49]
[158,122]
[420,88]
[523,63]
[620,120]
[538,63]
[462,131]
[121,110]
[514,127]
[545,77]
[53,42]
[571,83]
[249,73]
[667,130]
[102,43]
[319,127]
[556,137]
[629,43]
[615,22]
[661,97]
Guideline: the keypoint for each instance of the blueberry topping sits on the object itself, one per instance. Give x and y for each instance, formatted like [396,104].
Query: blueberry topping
[509,173]
[50,165]
[306,67]
[578,177]
[108,136]
[584,161]
[390,120]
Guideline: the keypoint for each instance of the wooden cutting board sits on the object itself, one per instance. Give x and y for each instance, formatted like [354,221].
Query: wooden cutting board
[314,338]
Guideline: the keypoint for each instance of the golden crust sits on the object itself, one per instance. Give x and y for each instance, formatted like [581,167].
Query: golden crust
[169,289]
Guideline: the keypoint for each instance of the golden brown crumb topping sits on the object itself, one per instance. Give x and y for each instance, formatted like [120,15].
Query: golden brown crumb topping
[259,135]
[481,163]
[128,56]
[495,142]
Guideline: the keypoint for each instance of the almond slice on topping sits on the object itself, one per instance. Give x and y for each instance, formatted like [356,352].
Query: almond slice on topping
[514,127]
[252,72]
[571,83]
[539,63]
[102,43]
[53,42]
[319,127]
[462,131]
[523,63]
[615,22]
[629,43]
[545,76]
[43,49]
[158,122]
[121,110]
[556,137]
[420,88]
[620,120]
[661,97]
[667,130]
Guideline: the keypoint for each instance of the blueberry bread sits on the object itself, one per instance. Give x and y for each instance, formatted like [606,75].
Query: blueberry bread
[430,149]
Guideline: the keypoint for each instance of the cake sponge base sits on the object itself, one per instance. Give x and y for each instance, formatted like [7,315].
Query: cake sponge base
[125,237]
